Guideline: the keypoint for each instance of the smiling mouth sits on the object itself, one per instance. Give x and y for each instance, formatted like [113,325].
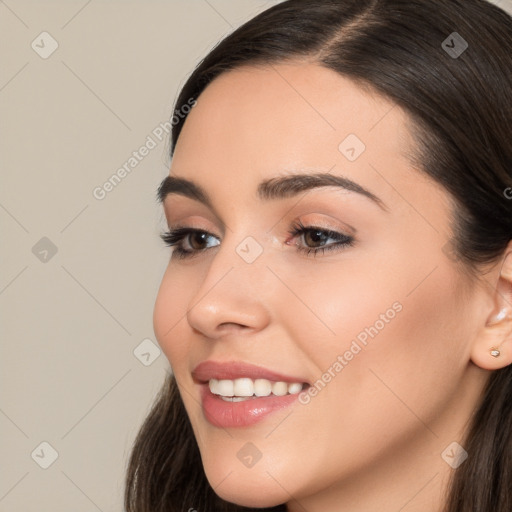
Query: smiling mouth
[238,390]
[242,402]
[240,394]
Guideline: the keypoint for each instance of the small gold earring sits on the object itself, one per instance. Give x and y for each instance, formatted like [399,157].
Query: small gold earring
[495,352]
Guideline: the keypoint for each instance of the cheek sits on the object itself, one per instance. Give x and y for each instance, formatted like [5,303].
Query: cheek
[338,307]
[390,309]
[380,338]
[393,347]
[170,316]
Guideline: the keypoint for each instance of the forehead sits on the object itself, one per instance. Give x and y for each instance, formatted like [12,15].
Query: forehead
[296,114]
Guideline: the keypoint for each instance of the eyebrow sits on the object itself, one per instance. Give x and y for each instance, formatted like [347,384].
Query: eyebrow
[280,187]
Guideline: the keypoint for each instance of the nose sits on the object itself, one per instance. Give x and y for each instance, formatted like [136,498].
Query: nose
[232,297]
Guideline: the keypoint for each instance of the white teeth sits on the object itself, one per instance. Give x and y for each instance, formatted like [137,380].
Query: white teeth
[225,387]
[279,388]
[294,388]
[262,387]
[234,398]
[241,389]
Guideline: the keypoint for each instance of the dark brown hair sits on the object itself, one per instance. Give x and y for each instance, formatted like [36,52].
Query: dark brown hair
[460,107]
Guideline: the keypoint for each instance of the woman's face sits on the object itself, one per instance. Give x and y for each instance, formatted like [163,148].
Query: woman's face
[376,325]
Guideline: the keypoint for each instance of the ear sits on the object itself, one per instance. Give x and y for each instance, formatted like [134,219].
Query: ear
[492,349]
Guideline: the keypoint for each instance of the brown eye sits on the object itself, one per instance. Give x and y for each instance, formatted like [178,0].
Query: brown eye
[197,239]
[189,241]
[315,238]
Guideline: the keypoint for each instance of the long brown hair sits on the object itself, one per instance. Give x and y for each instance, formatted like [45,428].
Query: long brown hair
[460,102]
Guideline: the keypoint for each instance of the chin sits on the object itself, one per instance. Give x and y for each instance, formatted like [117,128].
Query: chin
[248,487]
[255,494]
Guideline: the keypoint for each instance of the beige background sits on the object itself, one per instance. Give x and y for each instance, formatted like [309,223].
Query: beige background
[71,321]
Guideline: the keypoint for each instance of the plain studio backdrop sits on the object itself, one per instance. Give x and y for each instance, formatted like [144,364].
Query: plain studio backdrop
[85,90]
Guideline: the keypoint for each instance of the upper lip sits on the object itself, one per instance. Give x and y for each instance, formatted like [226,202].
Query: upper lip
[230,370]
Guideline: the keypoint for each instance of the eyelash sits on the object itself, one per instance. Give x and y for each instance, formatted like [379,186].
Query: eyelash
[174,238]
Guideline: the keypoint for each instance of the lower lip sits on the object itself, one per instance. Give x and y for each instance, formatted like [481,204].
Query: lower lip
[224,414]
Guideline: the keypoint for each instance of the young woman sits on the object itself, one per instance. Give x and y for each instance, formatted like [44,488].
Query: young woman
[337,308]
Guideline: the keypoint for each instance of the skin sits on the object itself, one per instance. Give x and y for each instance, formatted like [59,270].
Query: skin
[372,438]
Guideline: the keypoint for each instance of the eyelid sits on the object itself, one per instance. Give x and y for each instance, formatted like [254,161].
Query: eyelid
[191,226]
[321,220]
